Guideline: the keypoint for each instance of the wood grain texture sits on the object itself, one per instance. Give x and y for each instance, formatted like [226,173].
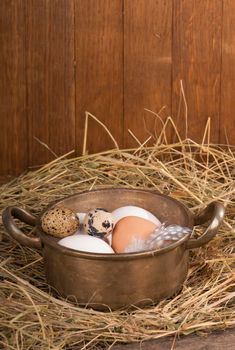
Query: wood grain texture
[99,71]
[197,61]
[60,58]
[221,340]
[147,65]
[227,115]
[13,118]
[50,78]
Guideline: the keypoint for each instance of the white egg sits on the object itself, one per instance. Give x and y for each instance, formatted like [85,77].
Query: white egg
[81,217]
[86,243]
[131,210]
[79,232]
[109,238]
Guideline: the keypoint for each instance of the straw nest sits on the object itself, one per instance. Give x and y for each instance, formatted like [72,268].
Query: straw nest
[31,317]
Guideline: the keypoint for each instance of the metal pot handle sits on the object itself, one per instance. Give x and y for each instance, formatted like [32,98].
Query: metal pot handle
[8,216]
[213,212]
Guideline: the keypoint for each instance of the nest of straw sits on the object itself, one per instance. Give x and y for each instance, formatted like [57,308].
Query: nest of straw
[31,317]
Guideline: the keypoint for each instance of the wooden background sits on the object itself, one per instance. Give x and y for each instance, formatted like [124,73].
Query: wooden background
[59,58]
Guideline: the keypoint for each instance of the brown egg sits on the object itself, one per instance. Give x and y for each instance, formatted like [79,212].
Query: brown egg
[128,229]
[59,222]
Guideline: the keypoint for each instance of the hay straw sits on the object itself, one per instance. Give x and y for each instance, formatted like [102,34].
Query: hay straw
[87,115]
[31,317]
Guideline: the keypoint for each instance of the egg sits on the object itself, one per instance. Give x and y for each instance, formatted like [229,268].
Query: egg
[161,237]
[59,222]
[79,232]
[86,243]
[98,223]
[129,229]
[131,210]
[81,217]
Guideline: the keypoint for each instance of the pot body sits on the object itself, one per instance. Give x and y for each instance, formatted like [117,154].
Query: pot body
[116,283]
[117,280]
[123,279]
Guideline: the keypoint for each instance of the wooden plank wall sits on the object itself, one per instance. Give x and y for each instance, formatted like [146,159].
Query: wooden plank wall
[115,59]
[50,78]
[197,61]
[99,71]
[13,113]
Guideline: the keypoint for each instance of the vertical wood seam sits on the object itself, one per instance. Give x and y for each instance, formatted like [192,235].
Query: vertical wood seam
[172,45]
[26,79]
[123,75]
[74,77]
[221,72]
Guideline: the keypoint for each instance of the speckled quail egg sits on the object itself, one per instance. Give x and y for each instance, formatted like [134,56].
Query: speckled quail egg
[98,222]
[59,222]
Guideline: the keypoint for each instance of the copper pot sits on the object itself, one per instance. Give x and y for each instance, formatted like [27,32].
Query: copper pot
[118,280]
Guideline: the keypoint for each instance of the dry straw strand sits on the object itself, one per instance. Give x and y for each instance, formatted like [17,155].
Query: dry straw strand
[32,317]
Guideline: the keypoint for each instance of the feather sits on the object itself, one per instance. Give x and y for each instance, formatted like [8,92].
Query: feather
[161,237]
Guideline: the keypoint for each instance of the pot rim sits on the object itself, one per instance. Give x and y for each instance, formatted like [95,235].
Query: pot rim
[53,242]
[116,256]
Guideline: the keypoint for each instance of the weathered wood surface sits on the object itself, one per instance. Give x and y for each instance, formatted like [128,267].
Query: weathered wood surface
[99,71]
[227,113]
[13,113]
[115,58]
[197,62]
[222,340]
[50,79]
[147,66]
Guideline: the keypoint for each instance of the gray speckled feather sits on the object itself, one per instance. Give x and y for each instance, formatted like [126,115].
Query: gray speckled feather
[162,236]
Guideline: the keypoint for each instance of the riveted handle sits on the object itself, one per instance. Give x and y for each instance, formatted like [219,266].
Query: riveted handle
[214,213]
[15,232]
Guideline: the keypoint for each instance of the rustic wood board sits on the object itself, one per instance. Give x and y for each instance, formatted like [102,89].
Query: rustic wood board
[221,340]
[113,58]
[13,114]
[50,78]
[227,114]
[197,62]
[99,71]
[5,178]
[147,66]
